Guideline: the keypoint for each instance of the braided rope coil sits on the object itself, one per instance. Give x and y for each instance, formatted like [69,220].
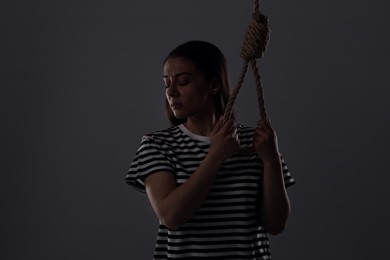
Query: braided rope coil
[253,47]
[256,37]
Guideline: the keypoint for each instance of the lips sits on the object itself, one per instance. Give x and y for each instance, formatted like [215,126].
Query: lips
[176,105]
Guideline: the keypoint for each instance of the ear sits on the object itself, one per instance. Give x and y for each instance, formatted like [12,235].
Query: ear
[214,86]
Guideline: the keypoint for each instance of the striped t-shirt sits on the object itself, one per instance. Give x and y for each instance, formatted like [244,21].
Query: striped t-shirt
[227,225]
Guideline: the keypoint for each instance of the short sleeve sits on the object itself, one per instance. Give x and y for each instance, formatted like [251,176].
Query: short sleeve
[150,158]
[288,179]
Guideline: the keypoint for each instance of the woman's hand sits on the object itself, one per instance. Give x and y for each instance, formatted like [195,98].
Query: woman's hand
[175,204]
[224,140]
[265,141]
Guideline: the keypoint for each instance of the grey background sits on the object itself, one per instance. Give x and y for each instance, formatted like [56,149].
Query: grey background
[81,82]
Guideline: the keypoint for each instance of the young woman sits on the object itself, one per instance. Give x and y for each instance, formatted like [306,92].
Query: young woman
[213,202]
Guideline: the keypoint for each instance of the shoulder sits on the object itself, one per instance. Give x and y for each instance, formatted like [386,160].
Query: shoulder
[163,136]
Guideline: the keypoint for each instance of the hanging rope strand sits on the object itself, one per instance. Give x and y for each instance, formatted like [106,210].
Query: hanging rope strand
[256,6]
[259,90]
[253,47]
[233,96]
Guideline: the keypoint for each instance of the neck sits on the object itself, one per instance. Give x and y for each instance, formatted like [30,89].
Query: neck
[201,125]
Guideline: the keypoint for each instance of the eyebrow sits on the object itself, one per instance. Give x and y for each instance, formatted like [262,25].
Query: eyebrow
[179,74]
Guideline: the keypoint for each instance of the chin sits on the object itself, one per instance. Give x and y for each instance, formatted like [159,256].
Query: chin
[180,115]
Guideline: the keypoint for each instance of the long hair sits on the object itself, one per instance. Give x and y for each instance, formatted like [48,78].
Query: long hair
[211,61]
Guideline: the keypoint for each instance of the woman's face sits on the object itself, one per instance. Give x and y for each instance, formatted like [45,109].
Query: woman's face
[188,91]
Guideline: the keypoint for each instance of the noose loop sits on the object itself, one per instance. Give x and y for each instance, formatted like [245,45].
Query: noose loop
[253,48]
[256,37]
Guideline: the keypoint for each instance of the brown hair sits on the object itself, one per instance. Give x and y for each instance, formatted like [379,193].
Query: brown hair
[211,61]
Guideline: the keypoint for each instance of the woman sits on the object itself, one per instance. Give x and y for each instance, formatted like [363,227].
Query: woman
[213,202]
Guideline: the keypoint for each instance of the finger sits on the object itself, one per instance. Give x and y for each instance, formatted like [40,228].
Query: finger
[237,139]
[261,122]
[233,127]
[218,125]
[234,131]
[260,130]
[265,125]
[228,126]
[261,135]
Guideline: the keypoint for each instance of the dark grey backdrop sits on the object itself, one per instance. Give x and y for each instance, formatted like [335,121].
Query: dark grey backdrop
[81,83]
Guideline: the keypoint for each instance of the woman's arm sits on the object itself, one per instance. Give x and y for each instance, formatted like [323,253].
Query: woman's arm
[275,202]
[275,205]
[174,205]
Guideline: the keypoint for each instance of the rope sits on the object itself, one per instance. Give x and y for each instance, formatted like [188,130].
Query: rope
[253,48]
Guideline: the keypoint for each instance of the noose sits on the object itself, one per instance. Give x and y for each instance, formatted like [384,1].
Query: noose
[253,47]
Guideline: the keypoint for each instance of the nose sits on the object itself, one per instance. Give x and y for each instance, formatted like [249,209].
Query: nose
[172,91]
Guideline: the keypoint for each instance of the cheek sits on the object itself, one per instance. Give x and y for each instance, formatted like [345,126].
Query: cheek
[203,99]
[199,93]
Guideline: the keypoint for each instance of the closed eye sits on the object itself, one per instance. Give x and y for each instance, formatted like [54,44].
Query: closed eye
[183,83]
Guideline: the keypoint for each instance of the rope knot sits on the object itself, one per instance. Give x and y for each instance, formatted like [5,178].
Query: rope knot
[256,37]
[253,47]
